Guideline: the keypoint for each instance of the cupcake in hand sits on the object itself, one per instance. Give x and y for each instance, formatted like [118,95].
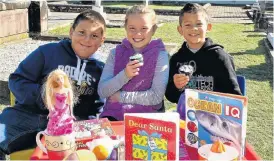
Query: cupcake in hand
[138,57]
[186,69]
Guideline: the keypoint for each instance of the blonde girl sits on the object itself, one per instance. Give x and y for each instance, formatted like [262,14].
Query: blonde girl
[135,76]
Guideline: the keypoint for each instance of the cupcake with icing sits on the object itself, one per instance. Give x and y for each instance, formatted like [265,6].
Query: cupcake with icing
[138,57]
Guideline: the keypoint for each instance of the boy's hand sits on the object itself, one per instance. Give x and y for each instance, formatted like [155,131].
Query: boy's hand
[132,69]
[180,80]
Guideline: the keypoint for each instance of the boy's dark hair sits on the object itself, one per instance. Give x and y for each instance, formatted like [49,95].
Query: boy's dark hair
[193,8]
[93,16]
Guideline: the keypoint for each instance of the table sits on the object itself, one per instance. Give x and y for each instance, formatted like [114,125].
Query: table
[118,127]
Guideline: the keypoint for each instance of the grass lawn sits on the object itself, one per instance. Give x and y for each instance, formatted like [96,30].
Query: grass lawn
[251,61]
[130,4]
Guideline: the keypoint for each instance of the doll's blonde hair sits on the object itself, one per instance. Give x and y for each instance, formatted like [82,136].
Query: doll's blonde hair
[51,83]
[141,9]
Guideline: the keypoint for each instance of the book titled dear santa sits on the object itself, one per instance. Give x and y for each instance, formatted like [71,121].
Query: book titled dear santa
[152,136]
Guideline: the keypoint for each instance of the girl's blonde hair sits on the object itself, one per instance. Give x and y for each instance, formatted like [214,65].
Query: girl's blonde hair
[141,9]
[50,84]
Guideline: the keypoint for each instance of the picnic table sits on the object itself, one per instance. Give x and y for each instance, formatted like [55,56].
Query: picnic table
[118,127]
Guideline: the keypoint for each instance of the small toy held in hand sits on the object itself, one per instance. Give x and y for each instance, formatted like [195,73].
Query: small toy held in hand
[186,69]
[59,99]
[103,146]
[137,56]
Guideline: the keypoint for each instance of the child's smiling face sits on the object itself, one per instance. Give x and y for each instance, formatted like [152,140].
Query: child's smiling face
[193,28]
[140,29]
[86,38]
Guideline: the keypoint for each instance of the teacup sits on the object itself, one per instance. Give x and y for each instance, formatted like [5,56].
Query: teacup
[57,147]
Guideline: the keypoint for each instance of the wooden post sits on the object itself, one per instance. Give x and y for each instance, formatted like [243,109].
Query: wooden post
[146,2]
[99,8]
[38,17]
[262,4]
[97,2]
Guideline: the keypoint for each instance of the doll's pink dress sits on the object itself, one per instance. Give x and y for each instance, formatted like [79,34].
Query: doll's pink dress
[60,118]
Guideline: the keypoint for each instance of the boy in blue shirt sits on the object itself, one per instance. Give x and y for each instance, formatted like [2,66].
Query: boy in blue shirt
[20,124]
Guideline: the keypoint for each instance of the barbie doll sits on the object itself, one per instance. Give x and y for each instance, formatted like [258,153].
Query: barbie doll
[58,95]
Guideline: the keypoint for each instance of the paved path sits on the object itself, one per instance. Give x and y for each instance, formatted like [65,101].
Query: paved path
[226,14]
[219,14]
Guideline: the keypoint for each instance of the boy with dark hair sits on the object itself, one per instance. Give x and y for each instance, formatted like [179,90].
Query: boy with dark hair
[199,63]
[77,58]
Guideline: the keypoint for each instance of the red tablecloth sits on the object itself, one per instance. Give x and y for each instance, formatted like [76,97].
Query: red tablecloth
[118,127]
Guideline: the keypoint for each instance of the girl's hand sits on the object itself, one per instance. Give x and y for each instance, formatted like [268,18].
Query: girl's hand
[115,97]
[180,80]
[132,69]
